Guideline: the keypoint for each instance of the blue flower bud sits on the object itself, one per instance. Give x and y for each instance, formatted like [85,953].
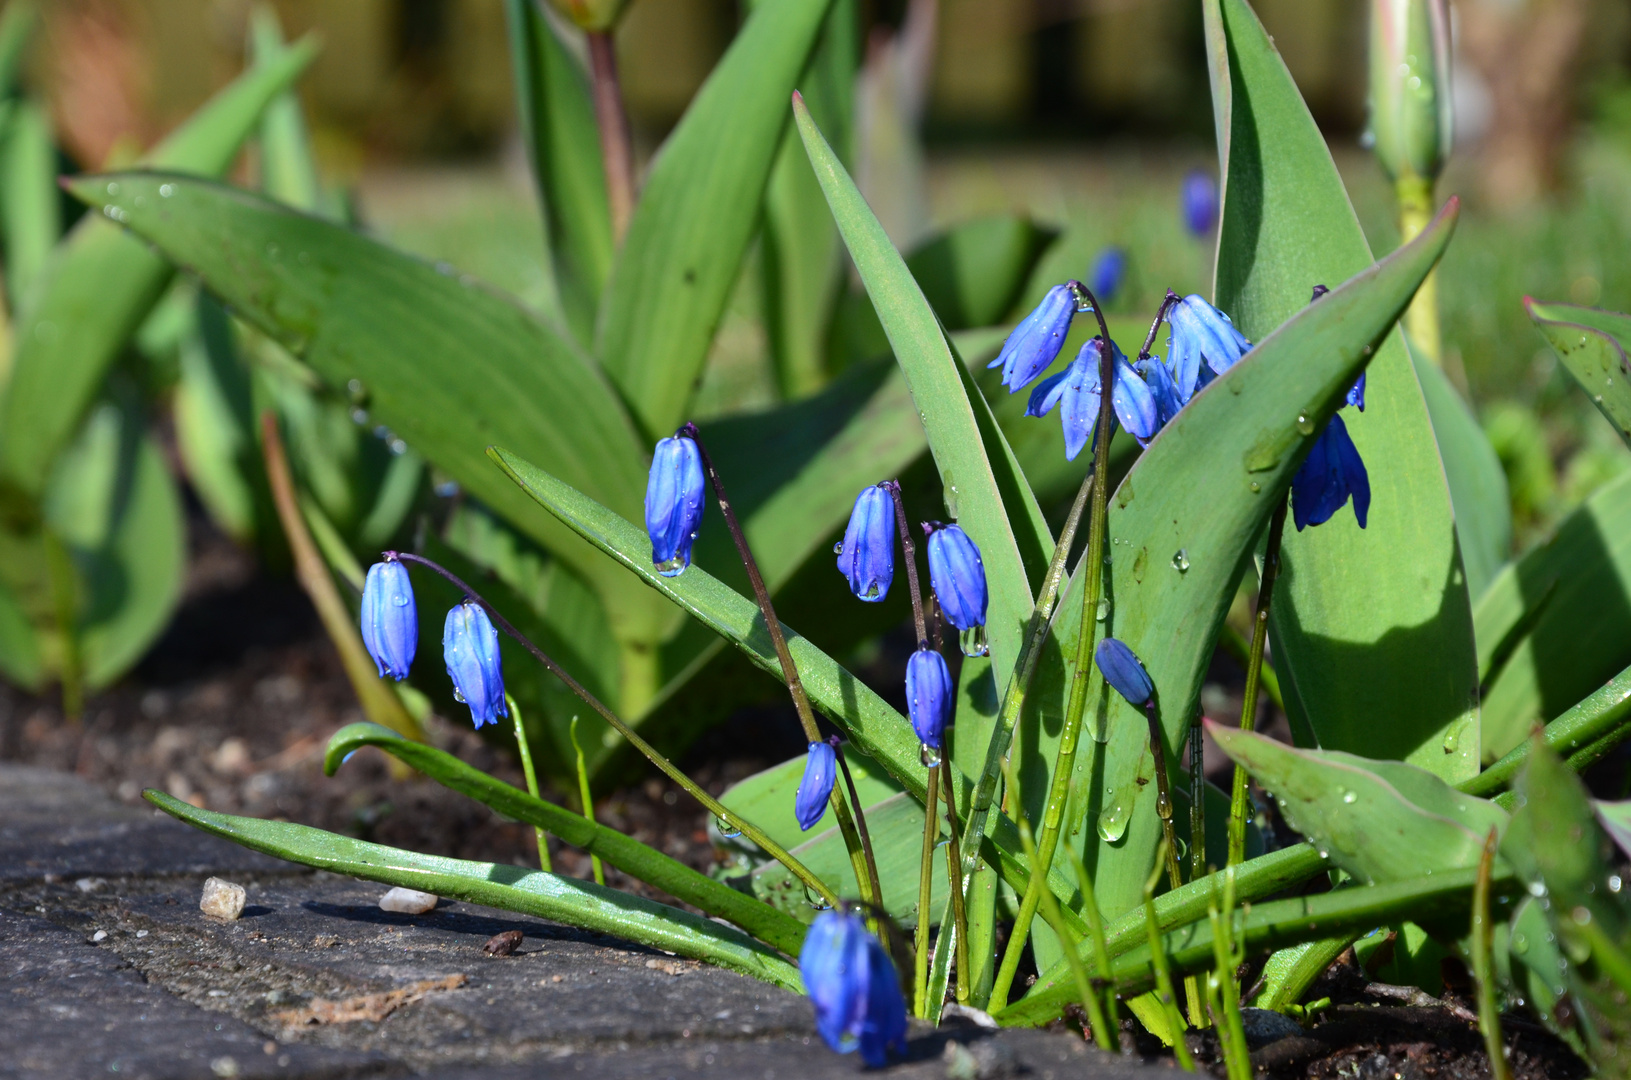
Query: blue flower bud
[1108,270]
[867,554]
[1158,377]
[675,491]
[957,575]
[470,650]
[854,988]
[820,770]
[1122,670]
[390,619]
[1200,332]
[1200,202]
[1134,404]
[929,696]
[1331,473]
[1036,341]
[1356,393]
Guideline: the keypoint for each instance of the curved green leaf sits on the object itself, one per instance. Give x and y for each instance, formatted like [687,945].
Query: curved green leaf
[697,213]
[1478,491]
[30,204]
[511,888]
[1352,602]
[1592,345]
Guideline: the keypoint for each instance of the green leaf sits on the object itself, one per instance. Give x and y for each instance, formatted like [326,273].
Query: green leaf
[288,169]
[1556,623]
[563,147]
[1379,820]
[30,208]
[101,284]
[17,25]
[442,362]
[1591,343]
[627,854]
[215,424]
[581,904]
[987,496]
[1353,602]
[1478,491]
[697,213]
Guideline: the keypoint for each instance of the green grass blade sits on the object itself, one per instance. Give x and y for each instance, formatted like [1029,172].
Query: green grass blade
[30,206]
[1287,226]
[512,888]
[288,169]
[697,213]
[627,854]
[17,24]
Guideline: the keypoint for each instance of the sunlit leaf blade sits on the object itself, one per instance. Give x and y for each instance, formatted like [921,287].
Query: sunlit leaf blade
[697,213]
[101,284]
[563,147]
[288,170]
[988,498]
[30,208]
[1556,623]
[17,24]
[582,904]
[1592,345]
[444,363]
[1478,491]
[1353,602]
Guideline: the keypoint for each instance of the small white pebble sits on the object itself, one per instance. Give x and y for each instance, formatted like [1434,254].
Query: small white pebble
[222,899]
[100,935]
[407,901]
[141,933]
[91,884]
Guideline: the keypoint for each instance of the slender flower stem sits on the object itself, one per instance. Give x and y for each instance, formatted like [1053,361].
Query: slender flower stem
[525,751]
[909,557]
[1254,667]
[954,860]
[711,804]
[586,799]
[1163,971]
[1160,316]
[865,876]
[1197,798]
[1221,986]
[1095,929]
[837,745]
[616,143]
[1235,643]
[1163,793]
[920,961]
[1483,964]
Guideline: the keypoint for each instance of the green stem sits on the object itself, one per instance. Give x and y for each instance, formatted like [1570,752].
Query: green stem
[616,144]
[1197,799]
[954,859]
[920,960]
[1231,1031]
[860,821]
[1599,717]
[524,749]
[1095,929]
[1163,972]
[1234,643]
[586,799]
[1421,324]
[1254,668]
[1483,963]
[65,604]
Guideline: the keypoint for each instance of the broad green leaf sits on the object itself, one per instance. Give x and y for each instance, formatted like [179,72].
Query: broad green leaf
[214,413]
[627,854]
[582,904]
[440,361]
[17,24]
[1478,491]
[988,498]
[697,213]
[101,284]
[1556,623]
[288,169]
[30,209]
[766,798]
[1591,343]
[563,147]
[1175,558]
[1352,602]
[1379,821]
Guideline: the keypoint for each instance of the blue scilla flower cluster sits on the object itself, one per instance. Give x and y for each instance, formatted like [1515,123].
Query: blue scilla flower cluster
[390,631]
[853,984]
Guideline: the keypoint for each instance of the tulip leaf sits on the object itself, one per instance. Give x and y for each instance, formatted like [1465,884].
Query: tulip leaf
[30,204]
[101,284]
[17,24]
[1592,345]
[1556,623]
[697,213]
[1352,602]
[1478,491]
[582,904]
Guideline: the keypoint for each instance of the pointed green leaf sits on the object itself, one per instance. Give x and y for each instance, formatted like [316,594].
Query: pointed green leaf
[1478,491]
[17,25]
[288,170]
[697,213]
[30,209]
[1592,345]
[582,904]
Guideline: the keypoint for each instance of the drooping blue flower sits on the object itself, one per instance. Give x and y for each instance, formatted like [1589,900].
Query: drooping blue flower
[1076,390]
[1356,393]
[470,650]
[1108,270]
[820,771]
[1332,472]
[1200,202]
[957,575]
[867,554]
[1134,404]
[1121,669]
[675,491]
[1201,333]
[1158,377]
[929,696]
[390,619]
[853,985]
[1036,341]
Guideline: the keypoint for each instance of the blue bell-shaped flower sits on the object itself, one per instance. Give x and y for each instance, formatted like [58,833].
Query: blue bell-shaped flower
[929,696]
[1158,377]
[1134,404]
[1199,199]
[1076,390]
[390,619]
[1331,473]
[675,491]
[854,988]
[957,575]
[1122,670]
[867,554]
[820,770]
[1356,393]
[1108,271]
[470,650]
[1036,341]
[1201,333]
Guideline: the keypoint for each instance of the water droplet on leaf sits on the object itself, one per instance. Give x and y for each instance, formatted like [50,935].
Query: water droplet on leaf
[1180,561]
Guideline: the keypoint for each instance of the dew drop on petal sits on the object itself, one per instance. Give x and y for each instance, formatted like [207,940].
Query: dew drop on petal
[972,641]
[929,756]
[838,548]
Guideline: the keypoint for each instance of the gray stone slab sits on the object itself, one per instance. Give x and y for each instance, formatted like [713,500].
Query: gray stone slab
[57,826]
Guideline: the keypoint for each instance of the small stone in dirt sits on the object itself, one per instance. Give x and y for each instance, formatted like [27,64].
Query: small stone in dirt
[503,944]
[91,884]
[222,899]
[984,1059]
[100,935]
[407,901]
[669,967]
[1264,1026]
